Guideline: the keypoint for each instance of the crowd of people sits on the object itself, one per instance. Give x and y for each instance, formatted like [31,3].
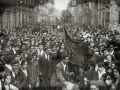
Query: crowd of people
[28,56]
[103,70]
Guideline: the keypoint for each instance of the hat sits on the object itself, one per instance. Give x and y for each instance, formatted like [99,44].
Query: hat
[2,68]
[14,62]
[63,56]
[9,58]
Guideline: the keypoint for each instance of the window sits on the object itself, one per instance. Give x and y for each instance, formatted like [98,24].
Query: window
[73,2]
[107,17]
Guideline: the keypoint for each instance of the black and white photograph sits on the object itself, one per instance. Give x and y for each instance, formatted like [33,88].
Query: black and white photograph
[59,44]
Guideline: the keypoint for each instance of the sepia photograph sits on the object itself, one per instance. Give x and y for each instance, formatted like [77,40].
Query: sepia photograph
[59,44]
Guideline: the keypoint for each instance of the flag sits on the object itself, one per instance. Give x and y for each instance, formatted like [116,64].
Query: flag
[74,50]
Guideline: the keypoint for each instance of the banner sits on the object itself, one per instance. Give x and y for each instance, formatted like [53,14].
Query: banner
[75,50]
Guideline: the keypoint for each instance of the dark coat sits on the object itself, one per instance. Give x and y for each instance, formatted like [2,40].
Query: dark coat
[81,79]
[92,75]
[11,52]
[24,81]
[118,84]
[14,80]
[42,65]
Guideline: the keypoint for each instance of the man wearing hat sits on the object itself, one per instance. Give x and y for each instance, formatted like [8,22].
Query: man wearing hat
[14,73]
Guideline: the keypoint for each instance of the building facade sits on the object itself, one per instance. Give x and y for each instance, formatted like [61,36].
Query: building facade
[14,13]
[96,12]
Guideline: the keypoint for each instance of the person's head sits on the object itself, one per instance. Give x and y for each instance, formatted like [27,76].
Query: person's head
[116,73]
[17,47]
[101,67]
[17,57]
[35,59]
[47,44]
[41,47]
[81,69]
[28,44]
[7,79]
[48,51]
[2,71]
[111,47]
[62,46]
[15,65]
[109,58]
[23,46]
[105,51]
[94,85]
[95,48]
[24,64]
[117,37]
[65,59]
[2,57]
[32,48]
[116,70]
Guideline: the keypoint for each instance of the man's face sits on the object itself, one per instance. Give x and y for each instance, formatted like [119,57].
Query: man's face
[2,57]
[17,48]
[93,87]
[15,66]
[109,58]
[17,57]
[32,48]
[41,47]
[105,52]
[66,60]
[62,46]
[81,69]
[100,69]
[34,58]
[117,37]
[116,73]
[23,47]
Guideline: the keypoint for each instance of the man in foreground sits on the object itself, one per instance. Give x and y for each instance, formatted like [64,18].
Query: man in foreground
[60,75]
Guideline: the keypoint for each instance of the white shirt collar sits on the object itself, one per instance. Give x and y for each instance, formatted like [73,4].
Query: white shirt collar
[64,65]
[101,73]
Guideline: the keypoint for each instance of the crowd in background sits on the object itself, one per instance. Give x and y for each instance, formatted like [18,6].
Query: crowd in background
[28,54]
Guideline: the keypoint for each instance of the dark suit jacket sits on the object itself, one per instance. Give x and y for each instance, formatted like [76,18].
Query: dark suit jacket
[81,79]
[11,52]
[42,64]
[24,80]
[92,75]
[14,80]
[59,76]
